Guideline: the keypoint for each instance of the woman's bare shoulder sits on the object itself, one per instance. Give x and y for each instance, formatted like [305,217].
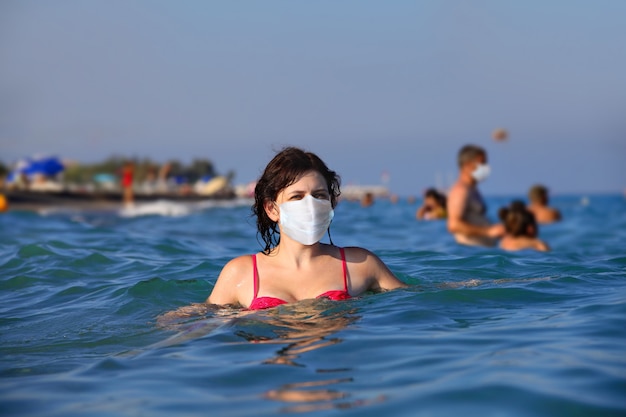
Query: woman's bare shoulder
[542,246]
[238,266]
[359,255]
[368,265]
[364,258]
[234,282]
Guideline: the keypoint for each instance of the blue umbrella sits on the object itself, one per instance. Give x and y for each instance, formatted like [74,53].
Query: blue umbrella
[48,166]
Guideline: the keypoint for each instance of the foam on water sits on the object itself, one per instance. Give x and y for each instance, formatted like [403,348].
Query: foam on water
[173,209]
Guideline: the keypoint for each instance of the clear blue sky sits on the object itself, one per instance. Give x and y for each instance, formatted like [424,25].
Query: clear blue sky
[370,86]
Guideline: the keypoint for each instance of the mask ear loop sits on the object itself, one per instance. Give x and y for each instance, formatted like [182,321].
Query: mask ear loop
[329,236]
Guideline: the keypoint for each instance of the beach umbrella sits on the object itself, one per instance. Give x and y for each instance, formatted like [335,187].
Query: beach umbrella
[48,166]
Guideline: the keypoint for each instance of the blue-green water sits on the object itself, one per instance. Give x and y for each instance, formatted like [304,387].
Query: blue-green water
[479,332]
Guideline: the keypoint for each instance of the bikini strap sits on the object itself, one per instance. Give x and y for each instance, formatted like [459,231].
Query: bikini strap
[256,276]
[345,268]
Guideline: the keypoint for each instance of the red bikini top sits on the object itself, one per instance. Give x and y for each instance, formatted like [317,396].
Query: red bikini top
[260,303]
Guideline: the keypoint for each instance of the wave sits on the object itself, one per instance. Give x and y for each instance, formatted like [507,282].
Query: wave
[162,208]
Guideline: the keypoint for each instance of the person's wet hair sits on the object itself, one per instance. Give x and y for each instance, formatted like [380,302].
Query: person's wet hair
[440,198]
[286,168]
[469,153]
[517,219]
[538,193]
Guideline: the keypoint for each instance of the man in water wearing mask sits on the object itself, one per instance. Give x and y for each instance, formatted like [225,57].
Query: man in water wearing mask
[467,219]
[294,206]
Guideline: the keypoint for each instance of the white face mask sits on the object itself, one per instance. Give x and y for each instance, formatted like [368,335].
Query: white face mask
[307,220]
[481,172]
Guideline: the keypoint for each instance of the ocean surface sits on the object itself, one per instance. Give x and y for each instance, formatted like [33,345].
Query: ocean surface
[479,332]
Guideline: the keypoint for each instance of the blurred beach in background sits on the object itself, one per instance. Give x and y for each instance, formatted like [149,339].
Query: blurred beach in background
[378,91]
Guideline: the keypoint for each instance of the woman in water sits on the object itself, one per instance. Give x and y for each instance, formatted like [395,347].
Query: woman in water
[293,204]
[521,229]
[434,207]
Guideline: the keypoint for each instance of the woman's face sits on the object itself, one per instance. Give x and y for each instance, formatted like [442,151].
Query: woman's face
[431,202]
[311,183]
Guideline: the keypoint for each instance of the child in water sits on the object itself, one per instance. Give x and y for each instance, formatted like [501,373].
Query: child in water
[521,229]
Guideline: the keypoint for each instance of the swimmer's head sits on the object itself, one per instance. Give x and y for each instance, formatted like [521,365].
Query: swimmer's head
[518,220]
[286,168]
[367,200]
[434,198]
[538,194]
[471,154]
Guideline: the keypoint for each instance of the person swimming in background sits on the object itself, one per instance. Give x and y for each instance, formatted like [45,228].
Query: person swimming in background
[434,206]
[467,219]
[538,197]
[521,228]
[367,200]
[294,203]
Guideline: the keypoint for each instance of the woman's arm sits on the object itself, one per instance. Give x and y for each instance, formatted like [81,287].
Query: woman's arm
[369,272]
[385,279]
[230,284]
[421,213]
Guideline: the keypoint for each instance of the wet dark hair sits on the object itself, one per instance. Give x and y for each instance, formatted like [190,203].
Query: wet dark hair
[517,219]
[468,153]
[439,197]
[287,167]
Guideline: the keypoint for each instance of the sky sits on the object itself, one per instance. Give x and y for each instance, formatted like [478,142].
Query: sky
[372,87]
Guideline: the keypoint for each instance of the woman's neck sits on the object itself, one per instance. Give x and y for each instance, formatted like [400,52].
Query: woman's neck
[295,254]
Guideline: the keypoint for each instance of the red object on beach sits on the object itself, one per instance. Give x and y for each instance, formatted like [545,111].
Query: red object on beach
[127,177]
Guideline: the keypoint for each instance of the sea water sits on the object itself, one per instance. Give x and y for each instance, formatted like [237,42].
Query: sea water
[478,332]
